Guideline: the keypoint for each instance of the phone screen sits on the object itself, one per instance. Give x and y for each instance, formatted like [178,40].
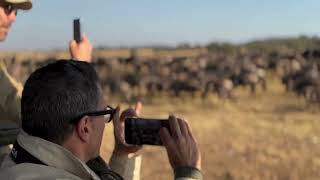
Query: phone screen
[76,30]
[142,131]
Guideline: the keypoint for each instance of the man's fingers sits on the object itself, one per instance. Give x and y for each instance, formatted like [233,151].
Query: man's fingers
[117,124]
[189,131]
[116,117]
[183,127]
[127,113]
[165,137]
[117,112]
[134,152]
[72,47]
[174,126]
[138,108]
[133,148]
[72,44]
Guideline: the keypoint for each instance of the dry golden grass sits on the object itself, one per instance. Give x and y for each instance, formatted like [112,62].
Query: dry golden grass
[270,135]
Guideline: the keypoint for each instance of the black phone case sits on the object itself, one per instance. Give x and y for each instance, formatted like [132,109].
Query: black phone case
[76,30]
[140,131]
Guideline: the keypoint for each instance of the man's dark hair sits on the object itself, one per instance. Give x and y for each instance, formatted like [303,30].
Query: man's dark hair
[54,95]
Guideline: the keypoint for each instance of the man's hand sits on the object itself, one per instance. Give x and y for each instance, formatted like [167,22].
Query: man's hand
[81,51]
[181,146]
[121,147]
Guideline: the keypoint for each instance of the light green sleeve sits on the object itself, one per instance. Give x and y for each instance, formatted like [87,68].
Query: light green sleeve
[10,96]
[128,168]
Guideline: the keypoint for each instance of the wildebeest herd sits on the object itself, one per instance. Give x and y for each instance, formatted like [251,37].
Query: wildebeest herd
[137,78]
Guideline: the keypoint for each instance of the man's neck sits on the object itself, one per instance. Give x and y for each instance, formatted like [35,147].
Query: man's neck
[76,149]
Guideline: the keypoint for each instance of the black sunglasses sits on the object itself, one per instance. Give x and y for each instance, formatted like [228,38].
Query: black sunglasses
[8,8]
[108,114]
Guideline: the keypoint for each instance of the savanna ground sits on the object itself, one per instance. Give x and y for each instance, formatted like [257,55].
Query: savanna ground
[271,135]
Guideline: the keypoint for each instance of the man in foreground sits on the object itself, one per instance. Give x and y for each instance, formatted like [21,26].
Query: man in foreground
[63,119]
[10,94]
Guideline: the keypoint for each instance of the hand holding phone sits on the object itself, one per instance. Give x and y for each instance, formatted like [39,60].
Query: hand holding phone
[140,131]
[80,47]
[182,147]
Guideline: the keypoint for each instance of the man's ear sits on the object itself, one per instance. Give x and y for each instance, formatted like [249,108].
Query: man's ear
[84,128]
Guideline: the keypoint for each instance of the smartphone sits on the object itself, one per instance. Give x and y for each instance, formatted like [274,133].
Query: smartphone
[76,30]
[140,131]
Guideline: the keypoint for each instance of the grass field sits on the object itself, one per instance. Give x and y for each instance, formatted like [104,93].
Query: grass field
[271,135]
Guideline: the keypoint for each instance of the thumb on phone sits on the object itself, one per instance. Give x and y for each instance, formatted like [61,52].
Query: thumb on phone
[72,44]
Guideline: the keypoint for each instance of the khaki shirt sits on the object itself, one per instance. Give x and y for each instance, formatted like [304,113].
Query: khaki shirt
[10,96]
[61,163]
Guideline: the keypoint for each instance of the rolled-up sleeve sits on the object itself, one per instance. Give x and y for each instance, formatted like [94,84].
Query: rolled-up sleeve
[128,168]
[10,96]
